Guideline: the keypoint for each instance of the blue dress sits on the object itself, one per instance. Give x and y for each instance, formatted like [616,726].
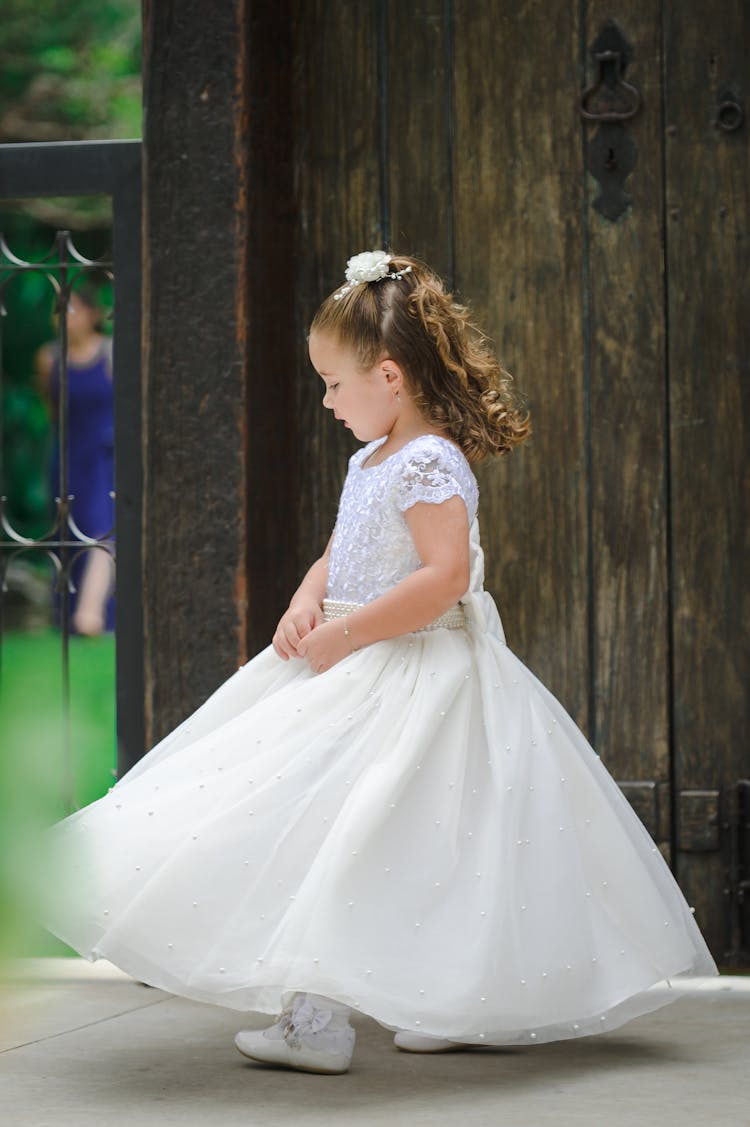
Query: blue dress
[90,459]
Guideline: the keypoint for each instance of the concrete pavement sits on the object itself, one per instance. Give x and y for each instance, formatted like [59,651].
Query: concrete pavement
[84,1044]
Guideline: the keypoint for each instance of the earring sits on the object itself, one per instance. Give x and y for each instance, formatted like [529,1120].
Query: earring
[398,398]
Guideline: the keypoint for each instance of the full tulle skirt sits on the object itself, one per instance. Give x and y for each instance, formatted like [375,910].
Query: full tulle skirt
[422,833]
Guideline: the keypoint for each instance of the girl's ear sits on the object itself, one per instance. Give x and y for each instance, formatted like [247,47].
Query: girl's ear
[393,374]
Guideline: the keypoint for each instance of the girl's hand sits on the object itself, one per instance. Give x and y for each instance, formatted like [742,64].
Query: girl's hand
[325,646]
[295,624]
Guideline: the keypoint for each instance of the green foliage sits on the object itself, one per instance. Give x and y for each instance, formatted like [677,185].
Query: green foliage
[69,72]
[63,65]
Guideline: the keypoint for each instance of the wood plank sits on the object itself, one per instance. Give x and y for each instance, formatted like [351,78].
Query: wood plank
[336,146]
[518,263]
[418,89]
[708,264]
[627,404]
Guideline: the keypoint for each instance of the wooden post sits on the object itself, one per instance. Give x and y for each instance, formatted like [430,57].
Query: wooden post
[218,427]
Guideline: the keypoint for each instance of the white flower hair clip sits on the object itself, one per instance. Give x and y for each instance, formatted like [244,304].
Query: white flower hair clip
[370,266]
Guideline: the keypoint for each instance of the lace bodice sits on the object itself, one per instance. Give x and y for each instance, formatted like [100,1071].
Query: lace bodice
[372,547]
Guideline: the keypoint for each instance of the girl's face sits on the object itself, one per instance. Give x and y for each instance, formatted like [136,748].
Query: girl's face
[364,401]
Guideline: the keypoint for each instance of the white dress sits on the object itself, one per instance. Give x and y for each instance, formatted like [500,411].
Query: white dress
[422,832]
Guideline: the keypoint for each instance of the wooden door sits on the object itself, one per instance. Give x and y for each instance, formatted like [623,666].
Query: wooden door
[608,259]
[707,255]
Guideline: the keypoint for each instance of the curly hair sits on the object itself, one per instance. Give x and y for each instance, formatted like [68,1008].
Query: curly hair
[453,376]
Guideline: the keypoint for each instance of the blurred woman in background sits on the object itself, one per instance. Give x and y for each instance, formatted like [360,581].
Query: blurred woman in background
[90,453]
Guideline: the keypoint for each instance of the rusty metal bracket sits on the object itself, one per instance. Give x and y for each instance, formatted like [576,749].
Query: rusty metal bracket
[736,826]
[698,812]
[611,81]
[730,114]
[610,101]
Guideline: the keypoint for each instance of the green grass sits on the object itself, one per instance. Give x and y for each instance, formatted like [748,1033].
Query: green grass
[38,783]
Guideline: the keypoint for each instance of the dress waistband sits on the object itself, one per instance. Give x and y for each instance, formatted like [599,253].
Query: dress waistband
[453,619]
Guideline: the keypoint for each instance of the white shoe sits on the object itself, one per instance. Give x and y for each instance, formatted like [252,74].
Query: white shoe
[423,1043]
[309,1037]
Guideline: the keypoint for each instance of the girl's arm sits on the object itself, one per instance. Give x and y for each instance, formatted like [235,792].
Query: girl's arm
[305,608]
[441,536]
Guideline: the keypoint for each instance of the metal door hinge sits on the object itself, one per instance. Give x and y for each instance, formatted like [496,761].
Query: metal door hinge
[610,101]
[698,828]
[735,824]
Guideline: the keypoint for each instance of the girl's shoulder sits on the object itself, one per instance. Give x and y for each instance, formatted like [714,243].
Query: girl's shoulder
[432,469]
[433,447]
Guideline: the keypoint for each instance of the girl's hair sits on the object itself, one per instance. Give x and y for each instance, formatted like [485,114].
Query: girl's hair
[454,378]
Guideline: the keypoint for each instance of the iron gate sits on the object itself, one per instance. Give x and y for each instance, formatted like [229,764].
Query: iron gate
[79,168]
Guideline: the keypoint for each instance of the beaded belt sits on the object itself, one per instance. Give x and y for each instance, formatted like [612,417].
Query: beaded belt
[453,619]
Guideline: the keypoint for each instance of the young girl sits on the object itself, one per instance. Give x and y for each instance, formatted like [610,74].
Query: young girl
[385,811]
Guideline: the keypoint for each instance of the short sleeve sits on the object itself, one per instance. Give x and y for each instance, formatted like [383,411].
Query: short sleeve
[434,475]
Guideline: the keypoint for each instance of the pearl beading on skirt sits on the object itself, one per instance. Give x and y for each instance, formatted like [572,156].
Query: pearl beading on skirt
[453,619]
